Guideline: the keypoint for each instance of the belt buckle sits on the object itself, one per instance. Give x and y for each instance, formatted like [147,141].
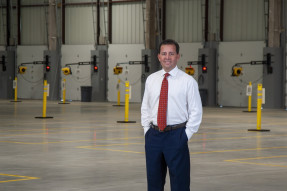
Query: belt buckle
[164,130]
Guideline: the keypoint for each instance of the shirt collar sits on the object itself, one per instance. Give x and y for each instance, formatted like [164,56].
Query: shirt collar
[173,72]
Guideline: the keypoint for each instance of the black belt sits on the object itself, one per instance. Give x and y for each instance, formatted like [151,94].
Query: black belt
[169,127]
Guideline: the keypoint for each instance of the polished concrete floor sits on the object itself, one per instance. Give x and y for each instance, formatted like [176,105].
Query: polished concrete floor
[83,147]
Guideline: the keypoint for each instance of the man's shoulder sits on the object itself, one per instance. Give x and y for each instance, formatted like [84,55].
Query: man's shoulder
[184,75]
[154,75]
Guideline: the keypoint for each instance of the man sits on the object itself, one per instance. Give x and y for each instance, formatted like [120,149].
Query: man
[169,120]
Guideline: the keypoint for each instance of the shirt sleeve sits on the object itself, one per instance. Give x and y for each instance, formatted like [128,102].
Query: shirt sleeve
[145,110]
[194,110]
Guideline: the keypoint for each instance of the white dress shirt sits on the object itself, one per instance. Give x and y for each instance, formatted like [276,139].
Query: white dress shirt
[184,102]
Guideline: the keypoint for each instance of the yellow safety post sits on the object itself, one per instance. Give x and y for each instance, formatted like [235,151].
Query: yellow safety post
[45,93]
[64,92]
[45,98]
[119,94]
[15,90]
[15,86]
[127,101]
[249,100]
[127,84]
[259,105]
[249,94]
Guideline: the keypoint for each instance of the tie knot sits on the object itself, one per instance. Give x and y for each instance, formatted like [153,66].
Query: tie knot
[166,75]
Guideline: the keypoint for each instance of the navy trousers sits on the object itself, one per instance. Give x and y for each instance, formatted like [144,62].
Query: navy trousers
[167,149]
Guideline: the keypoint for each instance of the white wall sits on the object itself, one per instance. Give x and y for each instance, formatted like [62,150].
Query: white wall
[81,74]
[232,90]
[121,53]
[30,84]
[189,52]
[132,73]
[125,53]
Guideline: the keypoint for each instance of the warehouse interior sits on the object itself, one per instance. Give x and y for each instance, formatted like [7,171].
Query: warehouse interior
[72,76]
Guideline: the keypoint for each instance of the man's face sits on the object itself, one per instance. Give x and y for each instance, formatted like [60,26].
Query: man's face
[168,57]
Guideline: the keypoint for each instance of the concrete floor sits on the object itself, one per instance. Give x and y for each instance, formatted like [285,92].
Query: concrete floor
[84,148]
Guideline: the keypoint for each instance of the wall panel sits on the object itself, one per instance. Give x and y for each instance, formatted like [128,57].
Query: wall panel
[188,53]
[3,26]
[127,22]
[123,53]
[184,20]
[81,74]
[231,89]
[244,20]
[79,25]
[30,84]
[33,26]
[3,23]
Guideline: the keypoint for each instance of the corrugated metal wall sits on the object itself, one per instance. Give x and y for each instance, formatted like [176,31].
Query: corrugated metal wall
[244,20]
[2,25]
[128,27]
[79,25]
[3,22]
[33,25]
[184,20]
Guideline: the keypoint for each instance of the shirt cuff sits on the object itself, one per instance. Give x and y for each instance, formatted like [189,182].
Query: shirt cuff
[146,129]
[188,134]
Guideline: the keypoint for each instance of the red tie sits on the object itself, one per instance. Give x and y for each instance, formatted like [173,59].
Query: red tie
[162,106]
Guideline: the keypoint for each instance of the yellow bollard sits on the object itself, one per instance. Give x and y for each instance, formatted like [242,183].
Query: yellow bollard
[259,105]
[45,101]
[45,98]
[119,92]
[127,101]
[15,92]
[15,86]
[249,100]
[127,84]
[64,92]
[249,94]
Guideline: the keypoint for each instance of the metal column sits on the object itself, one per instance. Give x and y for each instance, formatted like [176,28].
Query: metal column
[274,82]
[99,78]
[207,80]
[53,76]
[153,65]
[7,75]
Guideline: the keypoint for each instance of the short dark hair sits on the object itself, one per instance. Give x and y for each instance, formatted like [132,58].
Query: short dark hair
[169,42]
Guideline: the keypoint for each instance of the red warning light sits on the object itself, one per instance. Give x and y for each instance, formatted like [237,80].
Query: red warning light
[47,68]
[204,69]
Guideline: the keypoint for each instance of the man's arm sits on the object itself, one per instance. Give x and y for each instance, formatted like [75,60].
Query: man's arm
[194,110]
[145,110]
